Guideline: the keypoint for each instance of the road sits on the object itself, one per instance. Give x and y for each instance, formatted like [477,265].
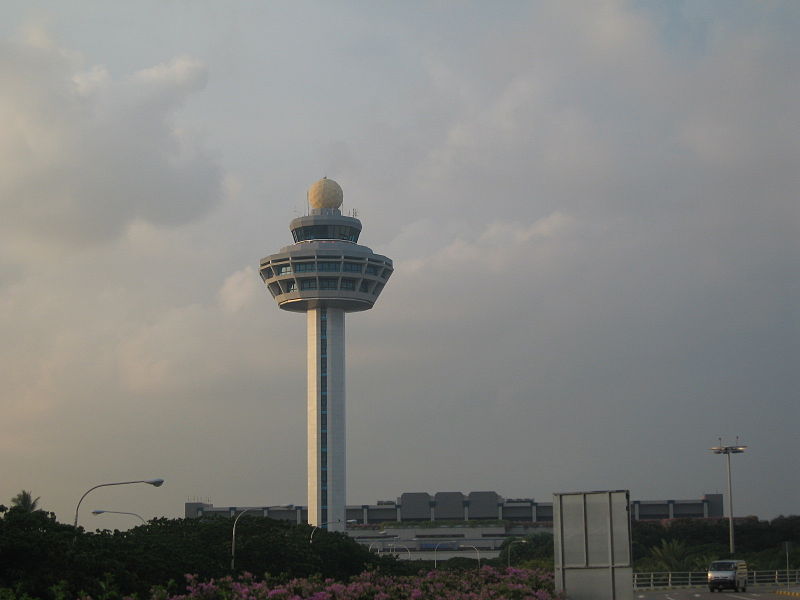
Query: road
[765,593]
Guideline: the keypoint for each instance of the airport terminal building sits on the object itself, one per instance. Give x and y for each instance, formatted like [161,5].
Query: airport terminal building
[419,525]
[450,508]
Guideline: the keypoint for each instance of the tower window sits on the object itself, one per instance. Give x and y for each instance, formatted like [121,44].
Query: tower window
[284,269]
[342,232]
[377,290]
[348,284]
[349,267]
[325,232]
[308,284]
[328,266]
[274,289]
[290,286]
[327,283]
[371,270]
[364,286]
[304,267]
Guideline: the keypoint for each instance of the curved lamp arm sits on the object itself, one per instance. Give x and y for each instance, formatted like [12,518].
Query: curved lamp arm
[119,512]
[313,531]
[153,482]
[233,535]
[478,552]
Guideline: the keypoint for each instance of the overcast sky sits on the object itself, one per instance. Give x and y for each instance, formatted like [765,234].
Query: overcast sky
[592,208]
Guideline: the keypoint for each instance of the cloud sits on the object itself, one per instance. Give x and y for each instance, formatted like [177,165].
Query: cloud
[83,155]
[240,289]
[594,228]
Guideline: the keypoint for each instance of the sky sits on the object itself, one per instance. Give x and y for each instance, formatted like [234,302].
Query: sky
[591,206]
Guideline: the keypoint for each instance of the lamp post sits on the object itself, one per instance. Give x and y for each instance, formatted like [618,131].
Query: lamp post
[476,550]
[435,548]
[313,531]
[405,548]
[118,512]
[511,543]
[153,482]
[727,451]
[233,535]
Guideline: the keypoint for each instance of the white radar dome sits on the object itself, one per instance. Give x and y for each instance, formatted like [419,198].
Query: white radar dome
[326,193]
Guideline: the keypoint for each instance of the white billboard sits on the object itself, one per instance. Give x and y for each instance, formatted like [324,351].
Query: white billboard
[593,545]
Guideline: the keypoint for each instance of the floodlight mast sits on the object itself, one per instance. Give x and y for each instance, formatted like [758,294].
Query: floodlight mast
[727,451]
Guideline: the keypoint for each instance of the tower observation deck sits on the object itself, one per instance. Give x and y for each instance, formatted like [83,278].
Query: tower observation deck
[326,274]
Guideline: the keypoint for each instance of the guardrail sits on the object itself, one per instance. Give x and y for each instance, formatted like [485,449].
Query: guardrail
[644,581]
[673,579]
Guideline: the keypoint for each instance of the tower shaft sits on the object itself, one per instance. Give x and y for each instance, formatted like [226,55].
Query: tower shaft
[326,418]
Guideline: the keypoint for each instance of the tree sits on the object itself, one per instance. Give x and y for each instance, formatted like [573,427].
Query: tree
[535,553]
[25,501]
[676,555]
[38,554]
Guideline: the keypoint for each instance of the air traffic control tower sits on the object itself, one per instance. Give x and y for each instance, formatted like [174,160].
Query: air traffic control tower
[326,274]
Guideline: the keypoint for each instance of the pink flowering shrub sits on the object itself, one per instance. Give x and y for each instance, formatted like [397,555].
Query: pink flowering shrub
[486,584]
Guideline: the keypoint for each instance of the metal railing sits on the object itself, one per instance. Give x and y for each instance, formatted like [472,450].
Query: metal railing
[779,577]
[644,581]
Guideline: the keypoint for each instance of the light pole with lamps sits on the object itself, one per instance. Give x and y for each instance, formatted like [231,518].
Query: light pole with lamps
[313,531]
[476,550]
[404,547]
[233,534]
[153,482]
[727,451]
[435,548]
[118,512]
[511,543]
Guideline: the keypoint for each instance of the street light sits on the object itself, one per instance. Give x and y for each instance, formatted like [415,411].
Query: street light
[511,543]
[476,550]
[435,548]
[118,512]
[233,535]
[404,547]
[311,537]
[153,482]
[727,451]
